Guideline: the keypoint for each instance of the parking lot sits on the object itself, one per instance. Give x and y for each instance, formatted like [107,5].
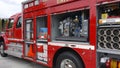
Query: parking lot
[13,62]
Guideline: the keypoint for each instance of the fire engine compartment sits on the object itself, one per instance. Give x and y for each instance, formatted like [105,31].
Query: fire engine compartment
[108,33]
[70,26]
[41,28]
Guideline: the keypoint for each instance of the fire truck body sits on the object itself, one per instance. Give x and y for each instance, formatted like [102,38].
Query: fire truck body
[65,33]
[41,13]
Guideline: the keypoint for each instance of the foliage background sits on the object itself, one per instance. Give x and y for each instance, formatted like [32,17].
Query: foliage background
[6,20]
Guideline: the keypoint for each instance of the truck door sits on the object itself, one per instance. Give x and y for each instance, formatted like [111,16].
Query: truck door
[10,28]
[42,38]
[13,32]
[29,41]
[18,29]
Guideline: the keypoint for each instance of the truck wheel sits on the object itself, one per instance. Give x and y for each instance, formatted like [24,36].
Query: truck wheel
[68,60]
[3,54]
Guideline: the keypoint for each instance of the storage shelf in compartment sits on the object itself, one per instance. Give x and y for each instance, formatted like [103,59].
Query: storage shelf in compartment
[41,40]
[83,39]
[110,51]
[109,25]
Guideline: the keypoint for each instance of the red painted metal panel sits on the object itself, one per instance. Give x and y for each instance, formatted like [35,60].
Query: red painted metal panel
[69,7]
[28,16]
[18,31]
[57,2]
[88,56]
[41,12]
[92,32]
[100,1]
[61,7]
[50,7]
[48,3]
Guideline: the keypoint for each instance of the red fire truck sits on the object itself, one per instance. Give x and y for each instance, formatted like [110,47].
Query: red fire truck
[65,33]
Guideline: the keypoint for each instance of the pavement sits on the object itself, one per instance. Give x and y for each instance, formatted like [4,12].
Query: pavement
[13,62]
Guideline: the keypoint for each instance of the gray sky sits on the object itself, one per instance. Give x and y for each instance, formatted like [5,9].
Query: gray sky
[10,7]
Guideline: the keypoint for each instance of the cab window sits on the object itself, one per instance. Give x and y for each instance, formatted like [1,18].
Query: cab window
[19,22]
[10,24]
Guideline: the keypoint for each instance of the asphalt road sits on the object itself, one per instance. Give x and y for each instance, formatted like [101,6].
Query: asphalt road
[13,62]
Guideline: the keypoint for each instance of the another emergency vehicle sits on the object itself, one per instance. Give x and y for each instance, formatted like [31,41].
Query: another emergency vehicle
[65,33]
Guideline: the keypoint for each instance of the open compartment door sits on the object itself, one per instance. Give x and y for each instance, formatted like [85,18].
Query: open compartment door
[29,41]
[41,36]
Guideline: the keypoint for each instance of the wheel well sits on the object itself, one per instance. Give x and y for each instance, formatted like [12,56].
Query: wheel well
[68,50]
[1,39]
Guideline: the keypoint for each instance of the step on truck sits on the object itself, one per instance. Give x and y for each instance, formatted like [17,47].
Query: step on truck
[65,33]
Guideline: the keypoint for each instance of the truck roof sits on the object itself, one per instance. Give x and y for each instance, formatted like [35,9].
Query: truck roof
[17,14]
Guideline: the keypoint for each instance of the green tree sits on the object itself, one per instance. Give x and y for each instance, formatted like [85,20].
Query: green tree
[5,22]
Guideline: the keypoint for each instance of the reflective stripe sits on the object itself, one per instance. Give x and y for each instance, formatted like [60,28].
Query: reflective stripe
[15,39]
[82,46]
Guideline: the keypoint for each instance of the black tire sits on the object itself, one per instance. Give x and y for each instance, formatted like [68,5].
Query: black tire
[68,56]
[3,54]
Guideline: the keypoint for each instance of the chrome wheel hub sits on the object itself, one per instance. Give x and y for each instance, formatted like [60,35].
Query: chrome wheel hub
[67,63]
